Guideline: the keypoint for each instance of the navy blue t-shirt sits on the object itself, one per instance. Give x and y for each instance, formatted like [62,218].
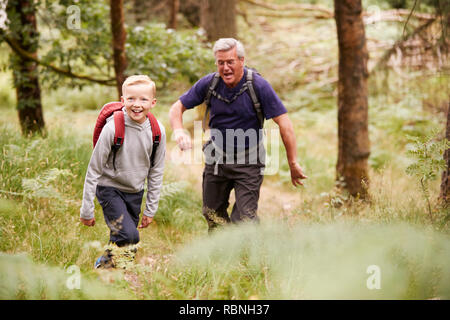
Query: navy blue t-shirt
[240,114]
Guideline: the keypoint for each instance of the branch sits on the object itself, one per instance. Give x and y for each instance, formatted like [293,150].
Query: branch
[395,15]
[400,43]
[68,73]
[292,6]
[325,13]
[409,16]
[292,15]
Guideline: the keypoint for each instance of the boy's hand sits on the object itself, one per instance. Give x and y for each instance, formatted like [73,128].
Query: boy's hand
[145,222]
[89,223]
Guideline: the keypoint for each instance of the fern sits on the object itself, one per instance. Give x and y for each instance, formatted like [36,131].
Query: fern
[170,190]
[43,185]
[428,155]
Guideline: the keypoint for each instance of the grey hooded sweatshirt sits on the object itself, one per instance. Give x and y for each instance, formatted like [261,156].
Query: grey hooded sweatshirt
[132,165]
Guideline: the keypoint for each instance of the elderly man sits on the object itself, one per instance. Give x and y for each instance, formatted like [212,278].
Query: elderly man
[237,99]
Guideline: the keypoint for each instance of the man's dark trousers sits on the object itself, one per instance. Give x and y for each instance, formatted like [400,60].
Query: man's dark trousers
[245,179]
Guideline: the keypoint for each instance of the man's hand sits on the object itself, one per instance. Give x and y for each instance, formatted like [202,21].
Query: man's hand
[176,122]
[288,137]
[89,223]
[145,222]
[183,139]
[297,174]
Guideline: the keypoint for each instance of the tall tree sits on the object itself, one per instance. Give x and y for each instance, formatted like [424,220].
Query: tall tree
[140,10]
[353,133]
[174,8]
[23,31]
[119,37]
[445,184]
[191,11]
[218,18]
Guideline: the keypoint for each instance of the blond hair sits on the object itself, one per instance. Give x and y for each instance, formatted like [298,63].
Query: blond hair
[139,79]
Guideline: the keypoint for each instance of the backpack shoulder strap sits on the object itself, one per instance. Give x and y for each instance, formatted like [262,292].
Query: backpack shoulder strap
[106,111]
[252,93]
[119,125]
[119,133]
[212,86]
[156,135]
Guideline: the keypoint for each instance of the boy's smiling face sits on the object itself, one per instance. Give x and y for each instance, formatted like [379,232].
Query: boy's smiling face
[138,99]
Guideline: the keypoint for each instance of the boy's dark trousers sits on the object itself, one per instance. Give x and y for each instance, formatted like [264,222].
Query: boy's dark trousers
[121,211]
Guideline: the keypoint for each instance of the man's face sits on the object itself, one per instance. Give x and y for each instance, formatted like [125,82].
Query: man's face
[138,100]
[230,67]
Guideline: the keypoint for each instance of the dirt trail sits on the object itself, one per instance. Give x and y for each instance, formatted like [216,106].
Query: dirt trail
[274,201]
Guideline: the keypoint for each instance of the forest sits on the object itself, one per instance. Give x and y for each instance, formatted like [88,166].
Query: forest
[367,87]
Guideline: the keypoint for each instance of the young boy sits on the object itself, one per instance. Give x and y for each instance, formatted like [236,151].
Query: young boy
[119,186]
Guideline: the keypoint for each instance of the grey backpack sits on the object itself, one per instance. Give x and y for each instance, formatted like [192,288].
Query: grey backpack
[248,86]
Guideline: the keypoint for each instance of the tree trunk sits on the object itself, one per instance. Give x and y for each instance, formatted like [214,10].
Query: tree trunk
[119,36]
[190,9]
[22,14]
[353,134]
[445,184]
[174,8]
[218,18]
[140,10]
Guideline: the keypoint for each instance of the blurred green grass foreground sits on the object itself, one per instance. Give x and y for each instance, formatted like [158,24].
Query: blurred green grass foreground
[268,261]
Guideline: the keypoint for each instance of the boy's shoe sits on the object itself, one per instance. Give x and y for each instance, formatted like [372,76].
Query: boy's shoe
[104,261]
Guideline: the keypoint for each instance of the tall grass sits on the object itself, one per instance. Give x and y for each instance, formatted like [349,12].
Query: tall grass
[313,261]
[41,184]
[20,278]
[40,191]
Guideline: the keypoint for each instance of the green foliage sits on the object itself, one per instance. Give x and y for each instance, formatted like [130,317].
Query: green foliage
[177,208]
[428,155]
[20,278]
[44,176]
[312,261]
[30,164]
[16,28]
[42,185]
[166,55]
[84,51]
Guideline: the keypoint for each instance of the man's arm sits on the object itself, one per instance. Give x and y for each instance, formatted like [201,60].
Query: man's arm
[176,121]
[290,144]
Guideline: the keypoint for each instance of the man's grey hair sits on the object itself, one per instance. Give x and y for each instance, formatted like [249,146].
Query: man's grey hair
[225,44]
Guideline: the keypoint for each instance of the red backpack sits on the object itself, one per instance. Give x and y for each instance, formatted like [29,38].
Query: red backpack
[115,108]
